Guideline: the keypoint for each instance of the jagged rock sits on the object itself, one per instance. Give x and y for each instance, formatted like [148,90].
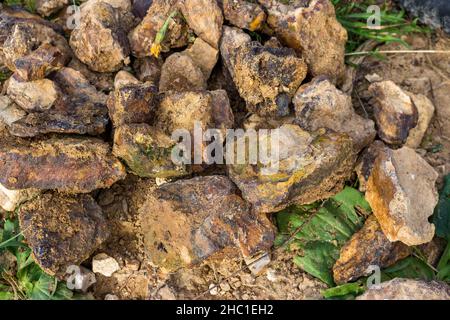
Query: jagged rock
[407,289]
[243,14]
[62,230]
[146,151]
[10,199]
[182,110]
[104,264]
[131,101]
[319,104]
[204,56]
[80,278]
[401,191]
[180,73]
[187,221]
[101,80]
[100,40]
[367,247]
[41,62]
[232,39]
[425,109]
[48,7]
[143,36]
[78,107]
[267,78]
[35,95]
[148,69]
[395,112]
[435,13]
[9,111]
[21,36]
[205,18]
[310,167]
[300,24]
[69,165]
[366,162]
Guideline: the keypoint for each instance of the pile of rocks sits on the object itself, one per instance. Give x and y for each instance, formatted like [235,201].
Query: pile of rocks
[68,86]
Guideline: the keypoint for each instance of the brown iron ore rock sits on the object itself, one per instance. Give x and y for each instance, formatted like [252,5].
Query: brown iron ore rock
[187,221]
[147,151]
[62,230]
[72,165]
[311,28]
[402,194]
[367,247]
[311,166]
[243,14]
[319,104]
[395,112]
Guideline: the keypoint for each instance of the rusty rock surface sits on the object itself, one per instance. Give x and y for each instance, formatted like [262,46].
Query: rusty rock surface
[100,40]
[402,194]
[300,24]
[205,18]
[187,221]
[310,167]
[77,107]
[367,247]
[72,165]
[267,78]
[243,14]
[146,151]
[132,101]
[62,230]
[319,104]
[395,112]
[407,289]
[143,36]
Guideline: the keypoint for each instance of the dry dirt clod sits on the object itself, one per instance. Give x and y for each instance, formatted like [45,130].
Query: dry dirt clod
[395,112]
[425,109]
[319,104]
[131,101]
[72,165]
[180,73]
[146,151]
[205,18]
[62,230]
[48,7]
[78,107]
[299,25]
[407,289]
[143,36]
[266,77]
[187,221]
[243,14]
[100,40]
[311,166]
[402,193]
[367,247]
[104,264]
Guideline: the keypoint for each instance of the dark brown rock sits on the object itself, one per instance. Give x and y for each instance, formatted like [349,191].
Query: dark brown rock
[395,112]
[62,230]
[367,247]
[243,14]
[69,165]
[187,221]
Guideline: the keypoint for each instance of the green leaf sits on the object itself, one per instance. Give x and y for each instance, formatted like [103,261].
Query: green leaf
[441,217]
[443,266]
[411,268]
[345,291]
[319,231]
[5,295]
